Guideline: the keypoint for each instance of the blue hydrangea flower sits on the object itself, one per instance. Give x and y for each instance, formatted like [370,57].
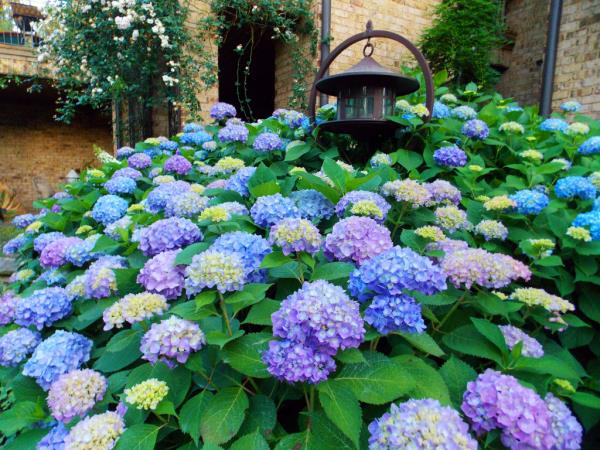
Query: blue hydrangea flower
[575,186]
[109,208]
[188,204]
[52,277]
[192,127]
[267,142]
[209,146]
[394,271]
[43,308]
[125,152]
[120,185]
[590,220]
[464,112]
[62,352]
[312,205]
[24,220]
[55,439]
[81,253]
[400,313]
[238,182]
[553,124]
[567,431]
[168,146]
[168,234]
[450,156]
[530,201]
[590,147]
[251,247]
[344,205]
[159,197]
[270,209]
[195,138]
[44,239]
[570,106]
[100,279]
[15,244]
[16,345]
[139,161]
[475,129]
[440,111]
[233,133]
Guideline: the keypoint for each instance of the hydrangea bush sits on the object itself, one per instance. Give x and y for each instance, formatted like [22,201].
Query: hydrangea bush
[246,289]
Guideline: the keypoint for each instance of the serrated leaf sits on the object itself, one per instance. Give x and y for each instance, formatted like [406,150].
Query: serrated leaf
[254,441]
[407,159]
[423,342]
[275,259]
[244,354]
[586,399]
[457,374]
[128,345]
[262,415]
[141,436]
[260,314]
[467,340]
[342,408]
[491,332]
[19,416]
[547,364]
[430,383]
[191,411]
[332,271]
[335,174]
[295,150]
[184,257]
[350,356]
[223,415]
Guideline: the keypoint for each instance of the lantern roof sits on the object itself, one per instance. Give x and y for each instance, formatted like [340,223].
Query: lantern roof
[367,72]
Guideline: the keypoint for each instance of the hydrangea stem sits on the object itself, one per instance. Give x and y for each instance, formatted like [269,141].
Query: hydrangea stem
[225,315]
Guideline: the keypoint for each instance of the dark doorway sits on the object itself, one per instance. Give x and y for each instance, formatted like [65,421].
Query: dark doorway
[247,72]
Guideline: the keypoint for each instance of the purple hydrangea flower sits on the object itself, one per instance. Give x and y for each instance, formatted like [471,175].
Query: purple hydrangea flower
[267,142]
[513,335]
[357,239]
[567,431]
[188,204]
[233,133]
[178,164]
[159,197]
[575,186]
[112,230]
[16,345]
[75,393]
[530,201]
[81,252]
[171,341]
[100,279]
[450,156]
[497,401]
[345,203]
[8,304]
[321,316]
[270,209]
[222,110]
[442,192]
[294,362]
[400,313]
[127,172]
[160,275]
[120,185]
[43,308]
[394,271]
[24,220]
[168,234]
[475,129]
[139,161]
[62,352]
[238,182]
[54,254]
[312,205]
[420,424]
[217,184]
[125,152]
[590,147]
[40,242]
[109,208]
[15,244]
[55,439]
[296,235]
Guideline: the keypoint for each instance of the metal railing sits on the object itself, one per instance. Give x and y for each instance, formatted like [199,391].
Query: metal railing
[18,38]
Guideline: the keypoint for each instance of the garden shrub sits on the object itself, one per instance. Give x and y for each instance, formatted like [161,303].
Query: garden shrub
[239,286]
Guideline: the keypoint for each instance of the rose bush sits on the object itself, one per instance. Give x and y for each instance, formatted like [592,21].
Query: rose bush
[246,289]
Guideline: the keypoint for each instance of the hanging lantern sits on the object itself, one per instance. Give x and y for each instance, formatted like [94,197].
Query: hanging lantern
[366,93]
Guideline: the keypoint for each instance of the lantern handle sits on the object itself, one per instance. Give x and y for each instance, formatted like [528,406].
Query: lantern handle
[368,34]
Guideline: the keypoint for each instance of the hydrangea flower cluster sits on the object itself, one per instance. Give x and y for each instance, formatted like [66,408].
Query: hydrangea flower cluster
[127,172]
[120,185]
[147,394]
[177,164]
[529,201]
[570,106]
[55,439]
[296,235]
[464,112]
[24,220]
[100,279]
[251,248]
[424,424]
[590,220]
[171,341]
[134,308]
[75,393]
[566,430]
[223,270]
[345,204]
[590,147]
[15,244]
[539,297]
[512,128]
[228,165]
[431,233]
[60,353]
[233,133]
[380,160]
[475,129]
[41,241]
[491,229]
[168,234]
[109,208]
[513,335]
[267,142]
[499,203]
[399,313]
[16,345]
[312,205]
[159,197]
[81,252]
[553,124]
[238,182]
[408,191]
[575,186]
[451,218]
[195,138]
[54,254]
[221,110]
[270,209]
[43,308]
[8,305]
[187,205]
[160,275]
[356,239]
[450,156]
[99,432]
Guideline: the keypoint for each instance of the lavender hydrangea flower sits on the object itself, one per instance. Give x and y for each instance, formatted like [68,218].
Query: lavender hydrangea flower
[222,110]
[394,271]
[43,308]
[238,182]
[590,147]
[8,304]
[530,201]
[40,242]
[171,341]
[178,164]
[160,275]
[295,235]
[267,142]
[15,244]
[195,138]
[399,313]
[188,204]
[99,432]
[139,161]
[168,234]
[270,209]
[422,424]
[75,393]
[475,129]
[450,156]
[513,335]
[443,193]
[233,133]
[16,345]
[554,124]
[55,439]
[109,208]
[567,431]
[159,197]
[81,252]
[477,266]
[345,203]
[24,220]
[100,279]
[62,352]
[120,185]
[497,401]
[293,362]
[312,205]
[54,254]
[224,271]
[125,152]
[357,239]
[127,172]
[575,186]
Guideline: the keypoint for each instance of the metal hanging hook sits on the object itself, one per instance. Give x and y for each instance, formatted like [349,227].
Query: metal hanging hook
[368,49]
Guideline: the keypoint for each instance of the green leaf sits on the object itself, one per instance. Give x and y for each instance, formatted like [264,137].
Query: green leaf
[244,354]
[377,381]
[295,150]
[423,342]
[547,364]
[342,408]
[141,436]
[122,349]
[223,415]
[325,436]
[333,271]
[590,307]
[191,411]
[106,245]
[457,374]
[178,379]
[350,356]
[275,259]
[21,414]
[55,221]
[254,441]
[467,340]
[430,383]
[550,261]
[262,415]
[586,399]
[184,257]
[335,174]
[25,389]
[491,332]
[407,159]
[127,281]
[260,314]
[268,188]
[27,440]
